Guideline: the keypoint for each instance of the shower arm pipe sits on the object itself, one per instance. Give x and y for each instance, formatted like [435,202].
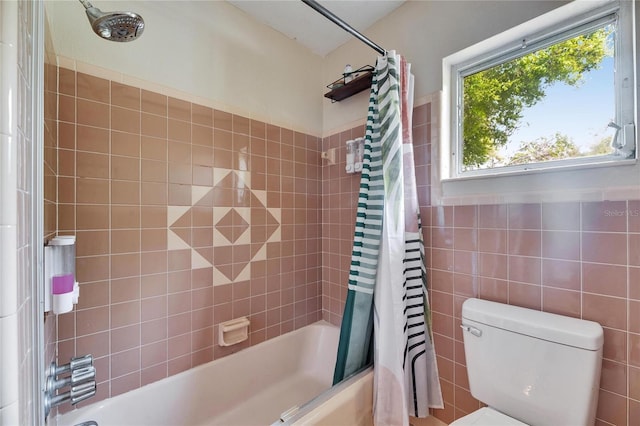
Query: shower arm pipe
[339,22]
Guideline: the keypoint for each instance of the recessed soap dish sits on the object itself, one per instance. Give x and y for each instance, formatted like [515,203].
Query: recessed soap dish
[233,331]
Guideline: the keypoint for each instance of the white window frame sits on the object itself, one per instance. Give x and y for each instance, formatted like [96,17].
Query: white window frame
[581,179]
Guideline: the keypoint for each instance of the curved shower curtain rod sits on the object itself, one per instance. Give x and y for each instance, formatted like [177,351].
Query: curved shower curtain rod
[339,22]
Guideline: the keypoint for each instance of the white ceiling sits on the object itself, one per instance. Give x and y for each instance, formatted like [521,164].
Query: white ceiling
[300,22]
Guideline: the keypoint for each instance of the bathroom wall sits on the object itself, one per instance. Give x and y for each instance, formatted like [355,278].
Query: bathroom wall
[186,216]
[141,298]
[338,223]
[192,186]
[575,259]
[210,50]
[578,259]
[424,32]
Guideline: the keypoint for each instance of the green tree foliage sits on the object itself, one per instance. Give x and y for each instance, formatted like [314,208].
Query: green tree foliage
[603,147]
[557,147]
[495,98]
[545,149]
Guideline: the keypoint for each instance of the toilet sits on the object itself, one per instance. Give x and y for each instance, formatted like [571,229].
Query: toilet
[530,367]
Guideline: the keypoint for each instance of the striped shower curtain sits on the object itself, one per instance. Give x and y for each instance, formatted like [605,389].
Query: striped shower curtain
[387,296]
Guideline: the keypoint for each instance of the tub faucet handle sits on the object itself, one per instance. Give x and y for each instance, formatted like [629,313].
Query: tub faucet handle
[82,375]
[81,392]
[77,377]
[81,380]
[74,364]
[81,361]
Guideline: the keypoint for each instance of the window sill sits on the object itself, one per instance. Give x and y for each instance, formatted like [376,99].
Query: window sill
[580,183]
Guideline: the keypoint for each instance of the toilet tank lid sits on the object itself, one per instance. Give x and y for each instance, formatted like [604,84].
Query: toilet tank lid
[543,325]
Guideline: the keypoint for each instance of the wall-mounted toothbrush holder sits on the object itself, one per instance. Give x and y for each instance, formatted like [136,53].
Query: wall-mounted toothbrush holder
[233,332]
[61,289]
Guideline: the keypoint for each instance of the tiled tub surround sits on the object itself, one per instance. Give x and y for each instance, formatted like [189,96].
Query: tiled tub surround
[576,259]
[185,217]
[253,387]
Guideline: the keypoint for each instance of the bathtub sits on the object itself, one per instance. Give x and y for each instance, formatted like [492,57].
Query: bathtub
[349,403]
[251,387]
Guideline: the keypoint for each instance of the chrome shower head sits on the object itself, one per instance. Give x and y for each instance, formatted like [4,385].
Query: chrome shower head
[114,26]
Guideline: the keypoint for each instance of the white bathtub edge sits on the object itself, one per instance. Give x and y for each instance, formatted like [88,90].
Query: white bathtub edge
[347,403]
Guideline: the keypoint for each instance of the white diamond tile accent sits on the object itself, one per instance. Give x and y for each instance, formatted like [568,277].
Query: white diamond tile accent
[245,274]
[245,213]
[261,254]
[219,213]
[276,213]
[219,278]
[243,181]
[175,212]
[219,240]
[245,238]
[174,242]
[261,195]
[219,174]
[198,193]
[276,237]
[197,261]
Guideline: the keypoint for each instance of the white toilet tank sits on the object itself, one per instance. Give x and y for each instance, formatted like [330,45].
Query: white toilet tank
[539,368]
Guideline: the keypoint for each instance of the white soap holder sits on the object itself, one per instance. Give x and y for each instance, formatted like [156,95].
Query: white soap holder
[233,331]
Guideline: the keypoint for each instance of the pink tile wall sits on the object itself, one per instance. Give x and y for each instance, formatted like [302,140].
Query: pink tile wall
[339,205]
[576,259]
[185,217]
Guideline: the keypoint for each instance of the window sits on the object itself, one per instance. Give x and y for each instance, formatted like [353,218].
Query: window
[544,108]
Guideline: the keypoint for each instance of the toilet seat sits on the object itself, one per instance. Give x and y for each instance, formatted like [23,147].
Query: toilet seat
[487,417]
